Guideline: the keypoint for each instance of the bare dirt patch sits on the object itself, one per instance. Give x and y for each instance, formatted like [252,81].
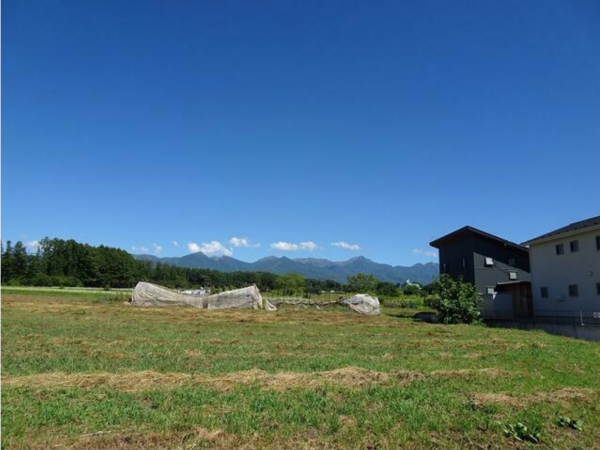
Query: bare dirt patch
[352,377]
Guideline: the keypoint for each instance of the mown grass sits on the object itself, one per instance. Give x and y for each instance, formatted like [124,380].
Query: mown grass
[69,293]
[471,381]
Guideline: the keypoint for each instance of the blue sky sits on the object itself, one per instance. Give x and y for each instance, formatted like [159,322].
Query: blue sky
[378,124]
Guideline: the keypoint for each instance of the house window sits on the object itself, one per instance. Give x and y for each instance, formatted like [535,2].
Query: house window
[489,262]
[512,262]
[574,246]
[490,290]
[598,288]
[544,292]
[573,290]
[512,275]
[560,249]
[597,242]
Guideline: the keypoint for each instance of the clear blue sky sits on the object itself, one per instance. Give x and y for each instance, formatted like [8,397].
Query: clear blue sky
[381,124]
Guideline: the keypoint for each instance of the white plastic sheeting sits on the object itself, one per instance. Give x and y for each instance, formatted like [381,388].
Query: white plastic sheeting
[148,294]
[364,304]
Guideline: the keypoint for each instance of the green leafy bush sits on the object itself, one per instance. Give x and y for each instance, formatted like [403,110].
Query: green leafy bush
[455,300]
[401,302]
[567,422]
[522,432]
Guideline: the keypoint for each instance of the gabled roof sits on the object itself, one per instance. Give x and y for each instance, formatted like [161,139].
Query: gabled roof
[471,230]
[575,226]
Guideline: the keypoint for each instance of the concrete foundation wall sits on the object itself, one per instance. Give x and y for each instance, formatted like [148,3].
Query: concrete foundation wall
[588,333]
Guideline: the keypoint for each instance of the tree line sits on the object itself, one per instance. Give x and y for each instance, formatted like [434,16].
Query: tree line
[58,262]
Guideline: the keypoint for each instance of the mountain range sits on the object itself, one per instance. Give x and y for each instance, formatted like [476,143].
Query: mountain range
[321,269]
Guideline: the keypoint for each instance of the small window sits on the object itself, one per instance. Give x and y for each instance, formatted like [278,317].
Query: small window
[490,290]
[597,242]
[512,275]
[574,246]
[573,290]
[489,262]
[560,249]
[544,292]
[598,288]
[445,267]
[512,262]
[464,263]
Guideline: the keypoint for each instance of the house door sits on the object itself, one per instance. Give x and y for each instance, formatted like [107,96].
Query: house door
[522,302]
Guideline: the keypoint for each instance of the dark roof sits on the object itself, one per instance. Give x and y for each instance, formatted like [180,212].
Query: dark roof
[587,223]
[471,230]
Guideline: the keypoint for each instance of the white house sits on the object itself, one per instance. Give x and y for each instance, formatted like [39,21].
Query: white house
[565,271]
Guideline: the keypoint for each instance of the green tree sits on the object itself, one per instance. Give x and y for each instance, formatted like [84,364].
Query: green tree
[411,289]
[34,265]
[7,262]
[455,300]
[385,289]
[20,260]
[362,283]
[291,284]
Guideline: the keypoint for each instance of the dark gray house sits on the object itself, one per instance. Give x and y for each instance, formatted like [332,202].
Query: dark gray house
[499,268]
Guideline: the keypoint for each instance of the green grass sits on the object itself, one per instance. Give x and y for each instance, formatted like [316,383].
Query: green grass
[70,293]
[490,379]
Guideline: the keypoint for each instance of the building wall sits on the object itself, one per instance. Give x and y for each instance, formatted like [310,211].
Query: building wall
[506,259]
[557,272]
[465,257]
[456,259]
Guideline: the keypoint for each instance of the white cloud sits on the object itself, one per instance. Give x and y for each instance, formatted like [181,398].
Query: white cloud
[32,245]
[428,253]
[141,249]
[346,246]
[242,242]
[157,249]
[209,248]
[175,243]
[292,247]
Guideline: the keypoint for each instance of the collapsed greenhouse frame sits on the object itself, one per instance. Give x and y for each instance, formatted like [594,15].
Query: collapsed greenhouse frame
[148,294]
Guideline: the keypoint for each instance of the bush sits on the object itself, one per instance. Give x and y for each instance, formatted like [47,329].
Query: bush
[401,302]
[411,289]
[385,289]
[41,279]
[522,432]
[455,300]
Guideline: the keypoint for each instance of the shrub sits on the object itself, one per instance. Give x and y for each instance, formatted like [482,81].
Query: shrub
[567,422]
[41,279]
[455,300]
[522,432]
[401,302]
[411,289]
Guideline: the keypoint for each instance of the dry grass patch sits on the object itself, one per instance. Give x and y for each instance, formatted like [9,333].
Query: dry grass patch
[469,373]
[560,396]
[134,440]
[353,377]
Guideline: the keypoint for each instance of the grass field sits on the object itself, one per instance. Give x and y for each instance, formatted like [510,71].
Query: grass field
[82,372]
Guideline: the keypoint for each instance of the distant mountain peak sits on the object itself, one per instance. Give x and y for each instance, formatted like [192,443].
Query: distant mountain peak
[318,268]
